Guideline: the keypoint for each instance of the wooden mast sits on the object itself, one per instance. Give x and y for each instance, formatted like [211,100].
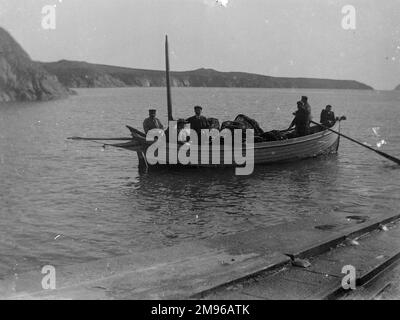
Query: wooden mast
[169,102]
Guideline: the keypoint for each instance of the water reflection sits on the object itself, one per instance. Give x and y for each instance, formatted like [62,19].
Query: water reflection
[217,201]
[49,187]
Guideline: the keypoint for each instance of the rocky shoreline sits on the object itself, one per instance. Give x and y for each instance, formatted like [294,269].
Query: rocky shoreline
[22,79]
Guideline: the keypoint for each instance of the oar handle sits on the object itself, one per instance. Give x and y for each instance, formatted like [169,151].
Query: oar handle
[104,139]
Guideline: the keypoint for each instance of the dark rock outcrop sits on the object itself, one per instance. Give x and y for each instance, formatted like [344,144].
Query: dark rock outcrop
[23,79]
[82,74]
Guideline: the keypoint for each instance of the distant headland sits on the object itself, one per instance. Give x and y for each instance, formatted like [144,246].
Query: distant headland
[74,74]
[22,79]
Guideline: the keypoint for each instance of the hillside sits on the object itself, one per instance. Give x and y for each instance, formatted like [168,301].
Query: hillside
[86,75]
[21,78]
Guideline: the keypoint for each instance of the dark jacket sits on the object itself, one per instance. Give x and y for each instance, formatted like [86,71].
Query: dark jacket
[152,123]
[327,118]
[198,123]
[301,121]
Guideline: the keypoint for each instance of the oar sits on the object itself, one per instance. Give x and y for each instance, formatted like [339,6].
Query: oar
[103,139]
[383,154]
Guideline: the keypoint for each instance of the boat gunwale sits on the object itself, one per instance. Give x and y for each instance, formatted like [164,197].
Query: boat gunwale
[259,145]
[281,143]
[298,140]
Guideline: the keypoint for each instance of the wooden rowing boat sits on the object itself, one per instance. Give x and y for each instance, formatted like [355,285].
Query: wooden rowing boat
[321,142]
[270,152]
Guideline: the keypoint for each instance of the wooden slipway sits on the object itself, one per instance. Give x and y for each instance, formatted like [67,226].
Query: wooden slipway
[193,268]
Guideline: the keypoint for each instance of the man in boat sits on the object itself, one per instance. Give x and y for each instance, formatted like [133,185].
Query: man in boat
[198,122]
[301,120]
[327,117]
[152,122]
[307,107]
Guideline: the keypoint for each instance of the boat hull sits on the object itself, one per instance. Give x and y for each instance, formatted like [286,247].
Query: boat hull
[272,152]
[311,146]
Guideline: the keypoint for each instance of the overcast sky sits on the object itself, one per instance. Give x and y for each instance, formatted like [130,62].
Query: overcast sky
[294,38]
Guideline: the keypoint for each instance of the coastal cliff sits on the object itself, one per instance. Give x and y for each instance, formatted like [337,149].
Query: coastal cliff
[22,79]
[75,74]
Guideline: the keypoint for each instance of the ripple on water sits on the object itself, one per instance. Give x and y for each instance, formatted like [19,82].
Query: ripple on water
[100,206]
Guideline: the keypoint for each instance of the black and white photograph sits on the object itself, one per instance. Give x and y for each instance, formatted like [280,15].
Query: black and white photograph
[208,153]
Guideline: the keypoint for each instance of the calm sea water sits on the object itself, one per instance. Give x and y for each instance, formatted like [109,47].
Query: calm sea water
[64,202]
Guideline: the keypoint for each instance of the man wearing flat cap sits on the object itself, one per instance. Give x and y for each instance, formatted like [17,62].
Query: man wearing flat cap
[152,122]
[198,122]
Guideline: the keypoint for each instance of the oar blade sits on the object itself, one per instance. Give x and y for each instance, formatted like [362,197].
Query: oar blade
[383,154]
[388,156]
